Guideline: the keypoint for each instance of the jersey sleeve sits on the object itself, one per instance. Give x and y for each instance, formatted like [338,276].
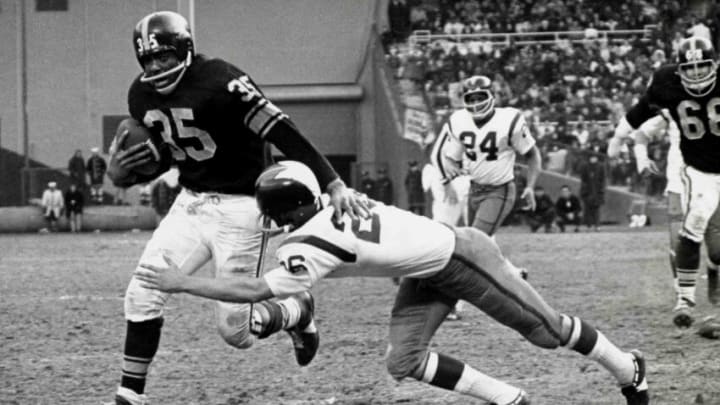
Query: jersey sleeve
[520,137]
[446,146]
[258,114]
[305,260]
[648,105]
[654,128]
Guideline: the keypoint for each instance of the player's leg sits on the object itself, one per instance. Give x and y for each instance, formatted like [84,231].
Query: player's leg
[177,237]
[480,274]
[700,198]
[417,313]
[675,217]
[236,248]
[712,242]
[491,207]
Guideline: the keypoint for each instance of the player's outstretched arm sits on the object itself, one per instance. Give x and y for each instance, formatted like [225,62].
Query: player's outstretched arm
[295,146]
[230,289]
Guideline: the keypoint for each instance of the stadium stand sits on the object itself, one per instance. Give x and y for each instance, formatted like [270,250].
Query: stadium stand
[573,67]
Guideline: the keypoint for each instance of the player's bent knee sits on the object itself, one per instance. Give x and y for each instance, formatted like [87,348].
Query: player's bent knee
[237,338]
[142,304]
[401,364]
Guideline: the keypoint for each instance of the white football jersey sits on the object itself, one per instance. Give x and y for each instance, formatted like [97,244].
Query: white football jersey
[655,128]
[487,151]
[391,243]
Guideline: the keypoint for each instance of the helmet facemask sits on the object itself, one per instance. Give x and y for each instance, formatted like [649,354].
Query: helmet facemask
[698,77]
[167,79]
[480,103]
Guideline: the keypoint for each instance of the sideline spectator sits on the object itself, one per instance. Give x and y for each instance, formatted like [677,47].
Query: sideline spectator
[384,187]
[592,190]
[96,168]
[74,202]
[544,213]
[76,168]
[567,208]
[414,189]
[399,19]
[367,185]
[52,203]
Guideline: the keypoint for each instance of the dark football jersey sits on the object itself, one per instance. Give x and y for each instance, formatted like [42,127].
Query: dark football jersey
[214,123]
[697,117]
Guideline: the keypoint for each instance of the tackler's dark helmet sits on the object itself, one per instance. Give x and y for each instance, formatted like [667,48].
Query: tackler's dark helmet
[697,66]
[159,32]
[288,193]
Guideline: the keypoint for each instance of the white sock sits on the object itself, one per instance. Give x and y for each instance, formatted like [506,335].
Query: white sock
[471,382]
[291,312]
[619,363]
[474,383]
[687,278]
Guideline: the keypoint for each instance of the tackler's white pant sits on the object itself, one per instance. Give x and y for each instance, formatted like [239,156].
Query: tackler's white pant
[201,226]
[701,194]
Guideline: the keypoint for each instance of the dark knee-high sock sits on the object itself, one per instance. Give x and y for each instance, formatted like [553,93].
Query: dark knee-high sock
[141,343]
[687,260]
[451,374]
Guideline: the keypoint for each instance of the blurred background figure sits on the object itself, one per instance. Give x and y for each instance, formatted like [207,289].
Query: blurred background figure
[414,188]
[384,187]
[592,190]
[367,185]
[52,203]
[567,209]
[544,213]
[76,168]
[74,202]
[96,168]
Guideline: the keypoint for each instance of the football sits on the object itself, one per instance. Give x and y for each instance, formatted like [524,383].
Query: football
[138,133]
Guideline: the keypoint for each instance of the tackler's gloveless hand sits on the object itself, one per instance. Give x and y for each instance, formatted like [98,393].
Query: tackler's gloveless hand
[344,199]
[164,278]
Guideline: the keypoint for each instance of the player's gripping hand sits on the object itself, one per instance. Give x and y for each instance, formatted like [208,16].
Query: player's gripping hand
[451,168]
[122,161]
[168,278]
[528,195]
[344,199]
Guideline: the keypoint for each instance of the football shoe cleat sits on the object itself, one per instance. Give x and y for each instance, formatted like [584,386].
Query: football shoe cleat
[305,343]
[713,291]
[682,313]
[522,399]
[636,393]
[126,396]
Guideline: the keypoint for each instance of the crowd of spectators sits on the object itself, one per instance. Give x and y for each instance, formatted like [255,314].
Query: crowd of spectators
[571,92]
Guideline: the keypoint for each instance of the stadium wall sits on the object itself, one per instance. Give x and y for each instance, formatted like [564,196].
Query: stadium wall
[80,63]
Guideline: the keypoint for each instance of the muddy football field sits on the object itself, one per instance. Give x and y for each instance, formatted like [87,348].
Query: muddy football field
[62,330]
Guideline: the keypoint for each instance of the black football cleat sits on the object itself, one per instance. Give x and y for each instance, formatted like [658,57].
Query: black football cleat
[713,291]
[683,313]
[636,393]
[305,343]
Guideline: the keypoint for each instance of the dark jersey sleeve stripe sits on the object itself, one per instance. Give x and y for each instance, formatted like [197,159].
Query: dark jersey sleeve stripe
[323,244]
[512,127]
[253,111]
[438,154]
